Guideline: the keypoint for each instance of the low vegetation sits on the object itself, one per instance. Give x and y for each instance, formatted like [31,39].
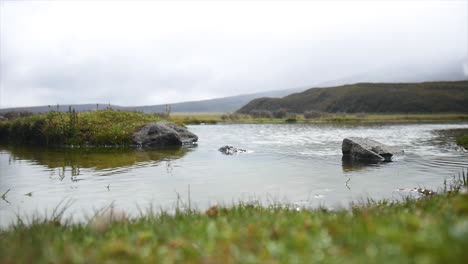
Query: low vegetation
[267,117]
[98,128]
[415,98]
[460,136]
[432,229]
[195,119]
[463,141]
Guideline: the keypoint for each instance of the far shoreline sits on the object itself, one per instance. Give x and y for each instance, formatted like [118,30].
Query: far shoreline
[110,127]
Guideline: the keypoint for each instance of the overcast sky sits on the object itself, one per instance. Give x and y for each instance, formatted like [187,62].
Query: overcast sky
[153,52]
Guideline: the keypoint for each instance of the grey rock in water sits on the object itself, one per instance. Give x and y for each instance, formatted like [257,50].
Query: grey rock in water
[230,150]
[367,149]
[162,134]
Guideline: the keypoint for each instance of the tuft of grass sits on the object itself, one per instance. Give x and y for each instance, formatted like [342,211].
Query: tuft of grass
[460,135]
[463,141]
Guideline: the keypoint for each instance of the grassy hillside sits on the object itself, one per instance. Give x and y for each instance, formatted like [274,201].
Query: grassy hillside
[430,97]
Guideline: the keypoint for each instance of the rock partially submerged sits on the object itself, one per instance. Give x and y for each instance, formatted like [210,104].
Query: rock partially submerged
[367,149]
[162,134]
[230,150]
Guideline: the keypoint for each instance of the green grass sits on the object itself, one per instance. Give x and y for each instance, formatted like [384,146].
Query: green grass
[207,118]
[96,128]
[460,135]
[195,118]
[343,118]
[430,230]
[463,141]
[433,229]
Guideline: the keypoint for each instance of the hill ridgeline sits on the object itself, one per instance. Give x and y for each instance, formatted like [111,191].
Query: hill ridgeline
[428,97]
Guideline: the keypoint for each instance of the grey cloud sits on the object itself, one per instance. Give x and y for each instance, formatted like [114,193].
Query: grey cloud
[149,53]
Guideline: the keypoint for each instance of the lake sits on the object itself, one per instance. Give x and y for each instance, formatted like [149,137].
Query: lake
[297,164]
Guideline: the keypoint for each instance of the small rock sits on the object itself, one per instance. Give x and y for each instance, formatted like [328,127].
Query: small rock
[230,150]
[102,221]
[425,192]
[212,211]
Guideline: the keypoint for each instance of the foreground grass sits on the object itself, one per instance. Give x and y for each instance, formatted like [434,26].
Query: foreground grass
[429,230]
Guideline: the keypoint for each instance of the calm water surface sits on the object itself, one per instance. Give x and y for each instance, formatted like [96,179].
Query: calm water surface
[296,163]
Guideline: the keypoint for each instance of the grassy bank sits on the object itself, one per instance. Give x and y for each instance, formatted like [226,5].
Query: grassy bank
[100,128]
[93,128]
[320,118]
[433,229]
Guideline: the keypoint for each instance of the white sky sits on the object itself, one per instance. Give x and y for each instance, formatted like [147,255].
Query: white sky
[152,52]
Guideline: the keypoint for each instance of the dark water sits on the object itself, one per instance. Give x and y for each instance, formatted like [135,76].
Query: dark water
[292,163]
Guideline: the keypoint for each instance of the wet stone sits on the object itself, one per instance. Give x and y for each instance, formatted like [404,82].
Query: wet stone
[162,134]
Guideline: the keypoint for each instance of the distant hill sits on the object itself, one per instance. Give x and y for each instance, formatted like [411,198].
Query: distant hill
[428,97]
[60,108]
[218,105]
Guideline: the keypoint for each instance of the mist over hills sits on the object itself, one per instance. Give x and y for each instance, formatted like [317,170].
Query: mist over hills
[441,70]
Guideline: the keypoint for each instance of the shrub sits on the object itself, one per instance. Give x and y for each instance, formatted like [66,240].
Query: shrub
[162,115]
[361,115]
[313,114]
[232,117]
[14,115]
[281,113]
[261,114]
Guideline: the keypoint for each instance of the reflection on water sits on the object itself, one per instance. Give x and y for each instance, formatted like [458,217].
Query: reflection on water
[351,165]
[72,160]
[293,163]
